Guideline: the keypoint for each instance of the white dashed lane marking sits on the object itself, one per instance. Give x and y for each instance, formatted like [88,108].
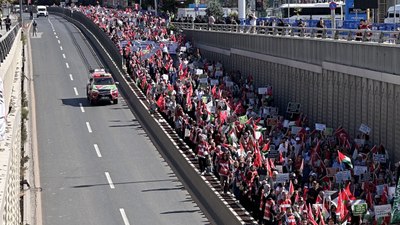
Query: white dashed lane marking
[81,106]
[88,127]
[96,148]
[70,77]
[76,91]
[109,180]
[61,48]
[124,217]
[67,65]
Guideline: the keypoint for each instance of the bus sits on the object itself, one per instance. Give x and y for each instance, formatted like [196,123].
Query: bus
[393,14]
[311,11]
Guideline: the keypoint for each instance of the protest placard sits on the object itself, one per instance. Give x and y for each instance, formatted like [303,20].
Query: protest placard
[214,82]
[359,209]
[279,168]
[218,73]
[182,49]
[273,154]
[243,119]
[293,107]
[382,210]
[359,170]
[203,80]
[210,68]
[365,129]
[320,126]
[229,83]
[282,177]
[379,158]
[343,176]
[165,77]
[199,72]
[295,130]
[391,191]
[380,188]
[286,123]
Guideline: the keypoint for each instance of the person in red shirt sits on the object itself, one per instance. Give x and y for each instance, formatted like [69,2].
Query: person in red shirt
[224,170]
[202,154]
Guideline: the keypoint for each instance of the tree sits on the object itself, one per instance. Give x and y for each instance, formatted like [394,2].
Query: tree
[214,8]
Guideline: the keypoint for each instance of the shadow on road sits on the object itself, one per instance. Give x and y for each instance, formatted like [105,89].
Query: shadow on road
[163,189]
[181,211]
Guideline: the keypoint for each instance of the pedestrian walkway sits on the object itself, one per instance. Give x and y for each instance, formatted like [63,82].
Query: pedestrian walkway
[3,27]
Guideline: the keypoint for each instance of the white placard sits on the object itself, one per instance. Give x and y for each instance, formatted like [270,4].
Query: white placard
[295,130]
[381,158]
[380,188]
[320,126]
[282,177]
[343,176]
[210,68]
[360,170]
[286,123]
[203,80]
[279,168]
[382,210]
[258,135]
[183,49]
[199,71]
[365,129]
[262,90]
[218,73]
[214,82]
[391,191]
[165,77]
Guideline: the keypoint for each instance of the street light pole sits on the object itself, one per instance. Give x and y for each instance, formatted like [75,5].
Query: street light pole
[155,6]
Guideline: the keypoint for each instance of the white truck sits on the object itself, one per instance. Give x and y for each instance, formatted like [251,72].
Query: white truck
[393,14]
[42,11]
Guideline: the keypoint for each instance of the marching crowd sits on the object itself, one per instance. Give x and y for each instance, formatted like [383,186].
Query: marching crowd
[281,168]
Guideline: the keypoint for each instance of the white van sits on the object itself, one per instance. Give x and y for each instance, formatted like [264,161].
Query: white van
[42,11]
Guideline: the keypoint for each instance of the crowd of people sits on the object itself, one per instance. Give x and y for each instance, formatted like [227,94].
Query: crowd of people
[281,168]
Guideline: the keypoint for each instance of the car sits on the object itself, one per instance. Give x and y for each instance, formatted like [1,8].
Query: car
[101,87]
[42,11]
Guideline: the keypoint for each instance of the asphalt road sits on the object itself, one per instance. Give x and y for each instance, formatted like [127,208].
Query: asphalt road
[97,165]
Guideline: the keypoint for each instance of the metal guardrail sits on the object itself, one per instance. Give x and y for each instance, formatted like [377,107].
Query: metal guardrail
[7,41]
[366,36]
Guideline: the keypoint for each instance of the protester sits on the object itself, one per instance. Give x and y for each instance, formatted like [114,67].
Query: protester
[281,169]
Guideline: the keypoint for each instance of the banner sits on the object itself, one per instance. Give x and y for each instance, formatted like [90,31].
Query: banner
[396,205]
[382,210]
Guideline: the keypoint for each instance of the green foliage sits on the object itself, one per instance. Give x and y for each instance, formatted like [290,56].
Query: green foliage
[214,8]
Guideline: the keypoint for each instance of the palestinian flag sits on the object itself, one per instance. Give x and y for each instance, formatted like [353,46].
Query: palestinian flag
[265,149]
[344,159]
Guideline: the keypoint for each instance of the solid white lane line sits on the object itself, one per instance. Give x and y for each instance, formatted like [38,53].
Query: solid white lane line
[88,127]
[124,217]
[96,147]
[76,91]
[109,180]
[81,106]
[63,55]
[59,42]
[67,65]
[70,77]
